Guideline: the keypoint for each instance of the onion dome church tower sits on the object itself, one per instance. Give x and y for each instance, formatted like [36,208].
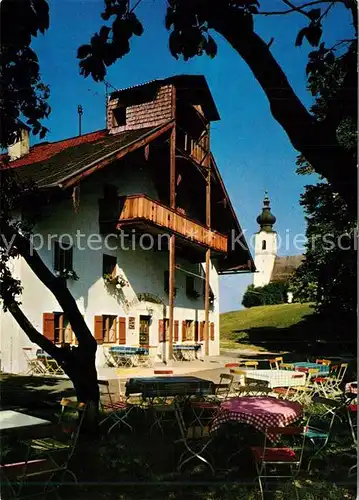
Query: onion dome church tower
[265,245]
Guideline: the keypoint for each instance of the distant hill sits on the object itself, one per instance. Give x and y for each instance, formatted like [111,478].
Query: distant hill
[251,327]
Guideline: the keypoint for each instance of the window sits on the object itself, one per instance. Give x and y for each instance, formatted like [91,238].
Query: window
[264,245]
[62,329]
[108,264]
[63,256]
[119,116]
[109,328]
[188,330]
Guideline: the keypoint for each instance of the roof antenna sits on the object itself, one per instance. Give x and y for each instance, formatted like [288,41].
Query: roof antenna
[80,113]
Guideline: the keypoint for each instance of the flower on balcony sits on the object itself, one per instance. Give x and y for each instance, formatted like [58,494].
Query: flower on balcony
[117,281]
[67,274]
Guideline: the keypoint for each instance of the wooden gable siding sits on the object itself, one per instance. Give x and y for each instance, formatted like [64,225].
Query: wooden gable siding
[147,114]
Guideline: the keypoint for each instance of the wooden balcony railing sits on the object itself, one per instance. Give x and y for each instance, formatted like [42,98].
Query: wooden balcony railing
[144,209]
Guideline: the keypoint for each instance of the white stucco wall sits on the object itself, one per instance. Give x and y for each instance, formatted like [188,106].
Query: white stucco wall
[144,271]
[264,258]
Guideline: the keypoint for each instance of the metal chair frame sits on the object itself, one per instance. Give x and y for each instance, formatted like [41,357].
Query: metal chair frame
[118,411]
[336,408]
[262,464]
[195,439]
[42,453]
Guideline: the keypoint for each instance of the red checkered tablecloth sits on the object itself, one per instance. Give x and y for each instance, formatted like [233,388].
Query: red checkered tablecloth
[260,412]
[351,387]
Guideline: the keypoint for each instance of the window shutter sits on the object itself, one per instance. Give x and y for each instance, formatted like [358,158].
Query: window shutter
[48,326]
[184,332]
[201,331]
[196,331]
[122,330]
[161,330]
[175,334]
[211,331]
[98,327]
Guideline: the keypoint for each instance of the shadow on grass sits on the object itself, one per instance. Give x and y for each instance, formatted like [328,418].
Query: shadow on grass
[312,336]
[34,393]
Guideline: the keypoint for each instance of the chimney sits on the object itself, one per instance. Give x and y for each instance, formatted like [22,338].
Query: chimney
[21,147]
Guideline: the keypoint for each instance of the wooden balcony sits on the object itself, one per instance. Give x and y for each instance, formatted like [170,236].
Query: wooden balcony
[143,212]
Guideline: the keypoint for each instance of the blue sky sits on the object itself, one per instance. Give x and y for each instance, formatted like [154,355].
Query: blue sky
[251,150]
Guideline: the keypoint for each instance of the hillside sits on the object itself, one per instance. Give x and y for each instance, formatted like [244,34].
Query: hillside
[258,325]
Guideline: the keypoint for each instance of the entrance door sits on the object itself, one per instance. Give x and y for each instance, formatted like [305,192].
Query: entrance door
[144,330]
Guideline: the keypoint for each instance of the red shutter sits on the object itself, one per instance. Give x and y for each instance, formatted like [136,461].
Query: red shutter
[175,334]
[48,326]
[98,329]
[201,331]
[211,331]
[196,331]
[161,330]
[122,330]
[184,332]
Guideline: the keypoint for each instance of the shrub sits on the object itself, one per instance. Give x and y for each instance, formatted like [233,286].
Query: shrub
[273,293]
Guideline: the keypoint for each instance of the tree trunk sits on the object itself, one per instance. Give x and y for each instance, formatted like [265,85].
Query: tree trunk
[81,368]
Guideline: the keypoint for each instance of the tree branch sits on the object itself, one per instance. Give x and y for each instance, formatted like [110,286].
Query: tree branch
[317,142]
[293,9]
[56,286]
[35,336]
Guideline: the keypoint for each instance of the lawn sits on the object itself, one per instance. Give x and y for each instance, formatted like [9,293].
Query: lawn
[238,328]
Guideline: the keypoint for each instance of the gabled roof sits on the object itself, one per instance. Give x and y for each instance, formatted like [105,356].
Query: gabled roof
[51,164]
[284,267]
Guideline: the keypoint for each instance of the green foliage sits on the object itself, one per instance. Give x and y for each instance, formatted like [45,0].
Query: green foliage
[327,276]
[23,94]
[273,293]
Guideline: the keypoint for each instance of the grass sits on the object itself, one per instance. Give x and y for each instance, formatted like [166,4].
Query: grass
[236,326]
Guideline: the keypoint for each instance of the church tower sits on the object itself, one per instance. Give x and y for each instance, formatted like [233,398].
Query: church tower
[265,245]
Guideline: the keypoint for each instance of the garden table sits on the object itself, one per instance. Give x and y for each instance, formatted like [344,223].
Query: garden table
[276,378]
[185,351]
[150,387]
[127,355]
[260,412]
[13,420]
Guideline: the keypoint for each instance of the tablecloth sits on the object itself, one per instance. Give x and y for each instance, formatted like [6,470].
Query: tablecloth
[169,386]
[351,387]
[276,378]
[260,412]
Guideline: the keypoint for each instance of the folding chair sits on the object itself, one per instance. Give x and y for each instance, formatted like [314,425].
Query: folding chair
[195,439]
[322,434]
[117,410]
[273,364]
[34,365]
[49,451]
[330,386]
[268,460]
[299,393]
[163,405]
[251,364]
[204,410]
[239,377]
